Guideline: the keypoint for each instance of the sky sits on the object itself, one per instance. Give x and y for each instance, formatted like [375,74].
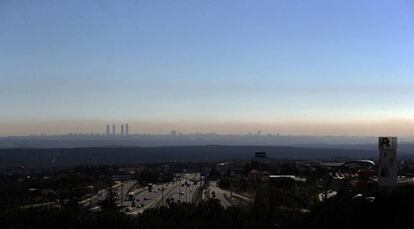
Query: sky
[286,66]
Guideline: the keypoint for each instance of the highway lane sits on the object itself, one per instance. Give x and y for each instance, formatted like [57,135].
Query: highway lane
[103,194]
[184,185]
[148,198]
[217,193]
[185,191]
[122,191]
[161,192]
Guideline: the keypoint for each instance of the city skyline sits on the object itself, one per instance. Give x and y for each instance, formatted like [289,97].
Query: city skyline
[317,68]
[402,129]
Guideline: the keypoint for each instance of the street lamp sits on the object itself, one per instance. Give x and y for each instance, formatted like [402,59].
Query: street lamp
[162,194]
[360,163]
[179,191]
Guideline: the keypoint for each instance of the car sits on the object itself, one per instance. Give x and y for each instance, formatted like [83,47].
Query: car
[181,193]
[146,198]
[213,194]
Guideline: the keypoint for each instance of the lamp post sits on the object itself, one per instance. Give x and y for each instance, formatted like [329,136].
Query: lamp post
[162,194]
[361,163]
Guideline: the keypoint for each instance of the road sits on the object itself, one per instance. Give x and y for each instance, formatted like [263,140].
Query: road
[217,193]
[124,188]
[185,190]
[94,200]
[226,197]
[161,192]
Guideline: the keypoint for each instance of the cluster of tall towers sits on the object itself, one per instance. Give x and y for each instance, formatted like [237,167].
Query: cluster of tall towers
[124,129]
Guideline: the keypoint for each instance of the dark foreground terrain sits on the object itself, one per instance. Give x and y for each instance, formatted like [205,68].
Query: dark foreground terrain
[391,210]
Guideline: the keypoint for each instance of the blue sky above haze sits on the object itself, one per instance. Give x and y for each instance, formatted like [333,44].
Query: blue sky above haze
[210,61]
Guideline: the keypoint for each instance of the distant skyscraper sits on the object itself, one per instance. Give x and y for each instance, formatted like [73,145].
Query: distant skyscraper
[113,129]
[122,129]
[107,130]
[173,133]
[126,129]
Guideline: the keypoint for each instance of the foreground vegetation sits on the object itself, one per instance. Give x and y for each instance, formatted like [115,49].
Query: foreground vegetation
[280,203]
[389,210]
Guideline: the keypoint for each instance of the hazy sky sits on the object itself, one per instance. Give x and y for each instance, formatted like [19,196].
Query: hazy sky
[226,66]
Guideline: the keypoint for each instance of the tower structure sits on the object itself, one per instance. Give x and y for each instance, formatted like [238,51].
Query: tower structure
[113,129]
[107,130]
[122,129]
[387,164]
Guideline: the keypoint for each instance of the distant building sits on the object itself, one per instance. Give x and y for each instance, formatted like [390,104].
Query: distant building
[388,165]
[113,129]
[126,129]
[107,129]
[122,129]
[173,132]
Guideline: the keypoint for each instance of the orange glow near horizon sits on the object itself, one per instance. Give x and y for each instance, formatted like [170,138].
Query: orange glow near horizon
[397,127]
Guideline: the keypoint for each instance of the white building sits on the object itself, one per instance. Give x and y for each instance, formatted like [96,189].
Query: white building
[387,164]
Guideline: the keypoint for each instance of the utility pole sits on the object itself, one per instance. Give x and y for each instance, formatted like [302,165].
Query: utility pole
[162,194]
[231,191]
[122,188]
[187,192]
[179,191]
